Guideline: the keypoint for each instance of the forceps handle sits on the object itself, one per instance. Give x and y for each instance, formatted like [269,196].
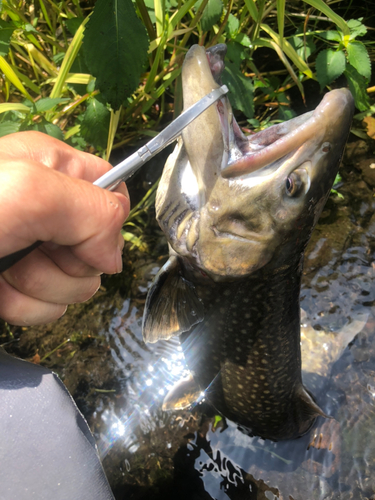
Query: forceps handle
[8,261]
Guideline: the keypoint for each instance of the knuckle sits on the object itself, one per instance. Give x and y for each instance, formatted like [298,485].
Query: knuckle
[27,282]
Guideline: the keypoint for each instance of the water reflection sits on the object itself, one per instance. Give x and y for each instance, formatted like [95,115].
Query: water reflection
[222,462]
[197,454]
[148,372]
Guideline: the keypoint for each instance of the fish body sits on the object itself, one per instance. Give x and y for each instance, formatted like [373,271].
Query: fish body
[238,213]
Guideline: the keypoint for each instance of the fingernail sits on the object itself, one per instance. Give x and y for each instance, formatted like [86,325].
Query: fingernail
[124,200]
[119,260]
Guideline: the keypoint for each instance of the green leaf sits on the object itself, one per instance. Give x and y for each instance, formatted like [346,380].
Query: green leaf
[241,89]
[135,240]
[236,52]
[73,24]
[47,128]
[304,50]
[296,42]
[356,28]
[6,30]
[331,36]
[330,64]
[211,14]
[47,103]
[359,58]
[254,122]
[243,40]
[77,142]
[285,112]
[54,131]
[8,127]
[357,86]
[29,28]
[232,26]
[115,47]
[95,123]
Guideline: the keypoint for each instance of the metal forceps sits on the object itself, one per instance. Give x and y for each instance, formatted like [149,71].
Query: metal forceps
[129,166]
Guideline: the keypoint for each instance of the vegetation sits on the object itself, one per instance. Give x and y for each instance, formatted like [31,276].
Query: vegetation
[98,77]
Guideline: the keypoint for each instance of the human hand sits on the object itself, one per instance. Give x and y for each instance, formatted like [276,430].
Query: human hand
[46,194]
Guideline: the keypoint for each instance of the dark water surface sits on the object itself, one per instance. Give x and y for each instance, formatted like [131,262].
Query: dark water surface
[119,382]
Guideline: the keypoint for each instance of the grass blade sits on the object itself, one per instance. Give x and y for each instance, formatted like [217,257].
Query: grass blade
[13,78]
[289,51]
[280,7]
[69,58]
[252,8]
[14,106]
[46,16]
[159,6]
[323,7]
[115,116]
[180,13]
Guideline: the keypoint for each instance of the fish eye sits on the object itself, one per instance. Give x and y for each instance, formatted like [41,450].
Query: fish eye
[293,184]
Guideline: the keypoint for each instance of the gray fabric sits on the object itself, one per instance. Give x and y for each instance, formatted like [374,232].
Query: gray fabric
[46,448]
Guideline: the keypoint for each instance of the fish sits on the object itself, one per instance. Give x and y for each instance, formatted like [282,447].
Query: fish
[238,213]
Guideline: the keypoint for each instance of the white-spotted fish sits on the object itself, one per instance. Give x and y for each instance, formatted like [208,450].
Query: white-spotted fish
[238,213]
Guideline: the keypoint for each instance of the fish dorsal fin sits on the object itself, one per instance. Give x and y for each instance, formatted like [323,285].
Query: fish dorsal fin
[172,305]
[182,395]
[308,408]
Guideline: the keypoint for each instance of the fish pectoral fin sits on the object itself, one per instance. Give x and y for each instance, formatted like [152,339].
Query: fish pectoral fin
[308,408]
[172,305]
[182,395]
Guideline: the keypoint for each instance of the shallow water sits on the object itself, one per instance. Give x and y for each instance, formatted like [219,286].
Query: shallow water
[119,383]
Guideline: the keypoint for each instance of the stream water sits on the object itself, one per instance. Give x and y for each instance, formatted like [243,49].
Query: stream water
[119,383]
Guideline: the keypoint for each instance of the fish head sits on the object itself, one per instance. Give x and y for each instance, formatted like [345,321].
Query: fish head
[248,201]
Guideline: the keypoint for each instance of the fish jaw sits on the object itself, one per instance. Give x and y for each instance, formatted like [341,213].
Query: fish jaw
[253,218]
[205,140]
[277,141]
[223,201]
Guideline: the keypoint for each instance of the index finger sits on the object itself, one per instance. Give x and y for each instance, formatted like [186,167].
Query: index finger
[55,154]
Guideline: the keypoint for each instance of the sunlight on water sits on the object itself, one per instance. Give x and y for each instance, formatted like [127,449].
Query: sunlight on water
[158,368]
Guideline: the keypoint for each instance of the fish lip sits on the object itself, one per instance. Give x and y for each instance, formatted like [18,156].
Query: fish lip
[253,236]
[299,130]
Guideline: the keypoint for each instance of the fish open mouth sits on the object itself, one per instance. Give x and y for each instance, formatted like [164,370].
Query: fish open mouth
[248,154]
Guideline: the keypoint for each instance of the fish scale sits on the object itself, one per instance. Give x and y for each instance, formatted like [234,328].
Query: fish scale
[252,369]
